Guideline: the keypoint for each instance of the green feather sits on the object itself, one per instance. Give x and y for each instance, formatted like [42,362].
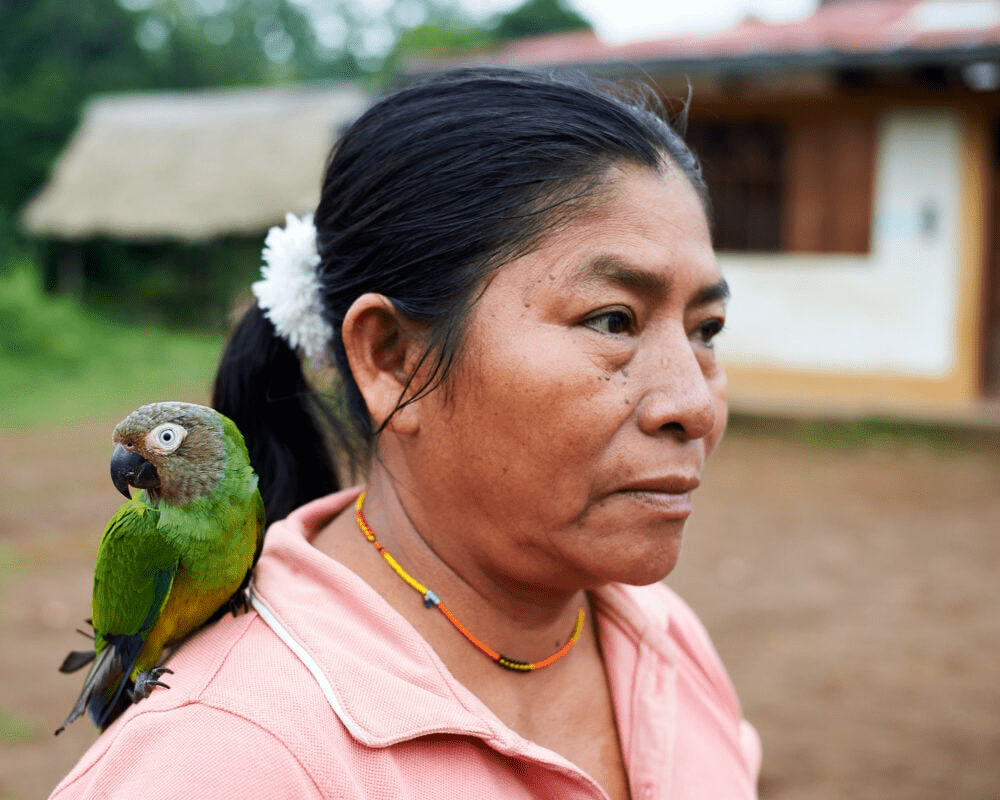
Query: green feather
[135,569]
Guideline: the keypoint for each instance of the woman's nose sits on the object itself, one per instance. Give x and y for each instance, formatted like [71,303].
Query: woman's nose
[682,398]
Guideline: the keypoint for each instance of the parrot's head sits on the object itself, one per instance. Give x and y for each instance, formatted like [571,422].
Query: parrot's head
[175,451]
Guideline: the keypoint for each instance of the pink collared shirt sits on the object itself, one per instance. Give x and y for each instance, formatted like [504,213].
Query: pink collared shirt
[326,691]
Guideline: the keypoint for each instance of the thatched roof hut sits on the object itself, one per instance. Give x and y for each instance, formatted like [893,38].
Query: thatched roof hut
[192,165]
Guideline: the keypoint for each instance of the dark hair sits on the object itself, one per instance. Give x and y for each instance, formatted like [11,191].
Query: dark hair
[427,193]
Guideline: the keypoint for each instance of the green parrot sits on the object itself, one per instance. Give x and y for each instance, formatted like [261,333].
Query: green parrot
[174,556]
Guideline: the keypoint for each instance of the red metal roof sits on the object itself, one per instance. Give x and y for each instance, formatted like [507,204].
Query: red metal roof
[845,27]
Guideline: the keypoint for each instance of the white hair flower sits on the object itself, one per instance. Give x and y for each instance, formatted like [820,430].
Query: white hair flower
[288,292]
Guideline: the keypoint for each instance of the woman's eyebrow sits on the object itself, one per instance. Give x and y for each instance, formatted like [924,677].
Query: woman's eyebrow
[715,293]
[612,270]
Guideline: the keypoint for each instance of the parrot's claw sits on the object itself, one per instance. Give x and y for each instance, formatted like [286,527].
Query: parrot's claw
[239,603]
[145,682]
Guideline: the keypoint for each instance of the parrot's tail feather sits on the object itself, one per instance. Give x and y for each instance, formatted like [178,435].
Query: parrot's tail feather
[106,705]
[104,712]
[97,681]
[105,684]
[77,659]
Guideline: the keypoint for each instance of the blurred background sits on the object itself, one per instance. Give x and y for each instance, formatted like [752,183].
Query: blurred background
[843,551]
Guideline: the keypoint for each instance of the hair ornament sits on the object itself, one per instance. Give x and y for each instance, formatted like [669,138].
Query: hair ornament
[288,292]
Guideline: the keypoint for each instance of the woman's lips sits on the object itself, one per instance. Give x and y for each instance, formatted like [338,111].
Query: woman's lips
[673,504]
[666,494]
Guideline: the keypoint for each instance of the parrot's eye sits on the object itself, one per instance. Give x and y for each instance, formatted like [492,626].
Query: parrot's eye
[167,437]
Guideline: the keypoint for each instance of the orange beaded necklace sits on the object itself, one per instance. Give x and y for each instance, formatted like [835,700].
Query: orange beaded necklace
[431,600]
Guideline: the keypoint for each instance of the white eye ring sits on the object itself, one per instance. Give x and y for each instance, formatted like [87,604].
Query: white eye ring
[166,438]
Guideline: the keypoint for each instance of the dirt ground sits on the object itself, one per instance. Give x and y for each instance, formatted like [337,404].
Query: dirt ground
[852,592]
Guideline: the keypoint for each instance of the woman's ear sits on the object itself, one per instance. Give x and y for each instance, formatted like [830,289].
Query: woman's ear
[382,350]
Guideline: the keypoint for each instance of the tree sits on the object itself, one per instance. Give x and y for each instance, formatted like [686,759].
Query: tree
[54,55]
[537,17]
[444,30]
[447,30]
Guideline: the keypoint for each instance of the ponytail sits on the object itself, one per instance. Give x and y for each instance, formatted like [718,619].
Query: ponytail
[260,386]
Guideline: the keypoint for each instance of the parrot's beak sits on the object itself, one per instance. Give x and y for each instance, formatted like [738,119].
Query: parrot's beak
[128,468]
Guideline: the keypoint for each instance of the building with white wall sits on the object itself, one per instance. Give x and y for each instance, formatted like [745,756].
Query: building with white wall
[898,327]
[852,159]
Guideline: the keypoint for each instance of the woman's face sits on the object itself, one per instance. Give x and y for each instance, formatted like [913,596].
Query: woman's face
[573,431]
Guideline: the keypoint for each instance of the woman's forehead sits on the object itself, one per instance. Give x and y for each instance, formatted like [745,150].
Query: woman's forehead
[648,225]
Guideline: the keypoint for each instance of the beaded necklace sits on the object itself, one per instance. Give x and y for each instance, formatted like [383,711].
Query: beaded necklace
[431,600]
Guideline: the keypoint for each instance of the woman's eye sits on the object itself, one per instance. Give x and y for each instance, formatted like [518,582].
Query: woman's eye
[616,321]
[709,329]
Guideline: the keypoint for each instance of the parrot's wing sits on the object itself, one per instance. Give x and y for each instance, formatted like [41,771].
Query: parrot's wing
[135,570]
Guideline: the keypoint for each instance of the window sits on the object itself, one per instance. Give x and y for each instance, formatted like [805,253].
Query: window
[744,168]
[796,185]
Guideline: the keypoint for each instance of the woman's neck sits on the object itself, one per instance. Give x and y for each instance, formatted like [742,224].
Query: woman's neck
[523,622]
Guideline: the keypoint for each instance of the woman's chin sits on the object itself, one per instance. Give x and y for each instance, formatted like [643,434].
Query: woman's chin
[649,574]
[638,567]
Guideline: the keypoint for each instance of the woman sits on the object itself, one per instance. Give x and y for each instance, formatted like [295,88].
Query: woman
[516,286]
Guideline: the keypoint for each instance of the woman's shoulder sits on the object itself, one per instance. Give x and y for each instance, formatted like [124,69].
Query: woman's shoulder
[235,716]
[665,621]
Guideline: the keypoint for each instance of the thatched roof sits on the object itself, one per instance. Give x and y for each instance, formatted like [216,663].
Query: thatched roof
[193,165]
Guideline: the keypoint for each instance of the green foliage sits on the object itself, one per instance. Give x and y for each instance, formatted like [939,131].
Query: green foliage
[242,43]
[53,55]
[60,363]
[536,17]
[169,283]
[435,39]
[49,332]
[442,36]
[446,30]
